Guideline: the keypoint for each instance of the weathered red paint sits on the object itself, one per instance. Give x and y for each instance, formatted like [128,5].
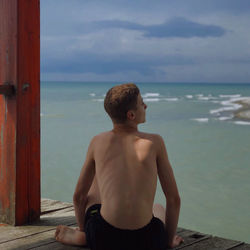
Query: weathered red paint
[20,114]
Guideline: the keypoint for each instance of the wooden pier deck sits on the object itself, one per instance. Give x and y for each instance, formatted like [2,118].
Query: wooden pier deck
[40,235]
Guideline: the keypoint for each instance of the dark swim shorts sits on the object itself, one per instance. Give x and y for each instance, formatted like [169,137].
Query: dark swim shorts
[103,236]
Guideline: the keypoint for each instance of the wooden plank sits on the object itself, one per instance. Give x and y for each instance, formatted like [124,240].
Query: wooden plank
[59,246]
[47,222]
[191,237]
[20,114]
[40,240]
[242,247]
[40,234]
[45,240]
[215,243]
[48,205]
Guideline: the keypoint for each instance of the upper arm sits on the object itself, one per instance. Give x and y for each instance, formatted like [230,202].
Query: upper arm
[165,171]
[87,173]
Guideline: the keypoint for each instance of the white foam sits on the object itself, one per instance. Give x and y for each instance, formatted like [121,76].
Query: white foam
[217,111]
[229,106]
[189,96]
[230,96]
[151,95]
[199,95]
[98,100]
[224,118]
[231,103]
[204,98]
[151,99]
[41,114]
[242,123]
[201,119]
[171,99]
[92,94]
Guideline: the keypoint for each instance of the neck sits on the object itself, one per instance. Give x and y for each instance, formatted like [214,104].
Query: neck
[127,128]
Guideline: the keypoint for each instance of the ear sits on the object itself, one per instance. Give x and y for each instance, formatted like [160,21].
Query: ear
[131,115]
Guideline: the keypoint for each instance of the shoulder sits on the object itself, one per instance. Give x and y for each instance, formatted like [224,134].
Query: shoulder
[100,137]
[155,138]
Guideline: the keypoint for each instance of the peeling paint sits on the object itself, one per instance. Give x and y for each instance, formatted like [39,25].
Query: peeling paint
[7,56]
[1,134]
[6,108]
[1,167]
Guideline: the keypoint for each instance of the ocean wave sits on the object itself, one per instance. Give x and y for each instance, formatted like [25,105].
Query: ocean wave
[217,111]
[152,99]
[242,123]
[189,96]
[171,99]
[201,119]
[224,118]
[150,95]
[205,98]
[92,94]
[230,96]
[98,100]
[229,106]
[231,103]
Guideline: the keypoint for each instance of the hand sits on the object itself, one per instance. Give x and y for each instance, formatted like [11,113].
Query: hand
[176,241]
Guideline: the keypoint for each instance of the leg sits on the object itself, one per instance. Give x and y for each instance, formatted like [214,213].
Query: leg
[160,212]
[70,236]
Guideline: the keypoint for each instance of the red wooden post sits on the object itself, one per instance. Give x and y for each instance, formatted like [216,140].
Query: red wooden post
[19,111]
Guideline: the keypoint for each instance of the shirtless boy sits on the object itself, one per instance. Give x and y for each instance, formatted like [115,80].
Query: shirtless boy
[114,196]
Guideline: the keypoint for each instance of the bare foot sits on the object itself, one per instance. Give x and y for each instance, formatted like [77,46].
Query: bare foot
[70,236]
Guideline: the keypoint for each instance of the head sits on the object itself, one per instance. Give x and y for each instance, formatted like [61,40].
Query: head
[123,103]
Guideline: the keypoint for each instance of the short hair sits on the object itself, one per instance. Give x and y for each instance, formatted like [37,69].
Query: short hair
[119,100]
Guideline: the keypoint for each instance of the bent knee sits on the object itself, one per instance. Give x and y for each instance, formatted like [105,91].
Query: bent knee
[158,206]
[159,212]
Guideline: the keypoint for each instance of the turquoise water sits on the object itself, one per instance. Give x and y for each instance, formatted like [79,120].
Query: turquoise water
[208,149]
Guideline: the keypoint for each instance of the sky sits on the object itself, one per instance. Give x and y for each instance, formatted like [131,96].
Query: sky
[145,41]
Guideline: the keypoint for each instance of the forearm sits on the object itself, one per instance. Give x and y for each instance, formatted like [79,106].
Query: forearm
[172,217]
[80,207]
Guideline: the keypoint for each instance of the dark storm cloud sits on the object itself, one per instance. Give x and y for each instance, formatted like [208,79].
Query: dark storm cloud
[176,27]
[118,36]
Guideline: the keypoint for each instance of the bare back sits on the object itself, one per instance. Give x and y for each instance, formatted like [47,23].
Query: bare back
[126,173]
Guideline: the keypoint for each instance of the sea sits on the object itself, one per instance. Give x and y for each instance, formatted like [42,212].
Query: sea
[208,149]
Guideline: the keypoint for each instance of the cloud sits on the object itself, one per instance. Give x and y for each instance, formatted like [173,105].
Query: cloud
[176,27]
[85,62]
[180,27]
[146,39]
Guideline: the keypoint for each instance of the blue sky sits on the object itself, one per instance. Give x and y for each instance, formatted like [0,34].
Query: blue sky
[145,41]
